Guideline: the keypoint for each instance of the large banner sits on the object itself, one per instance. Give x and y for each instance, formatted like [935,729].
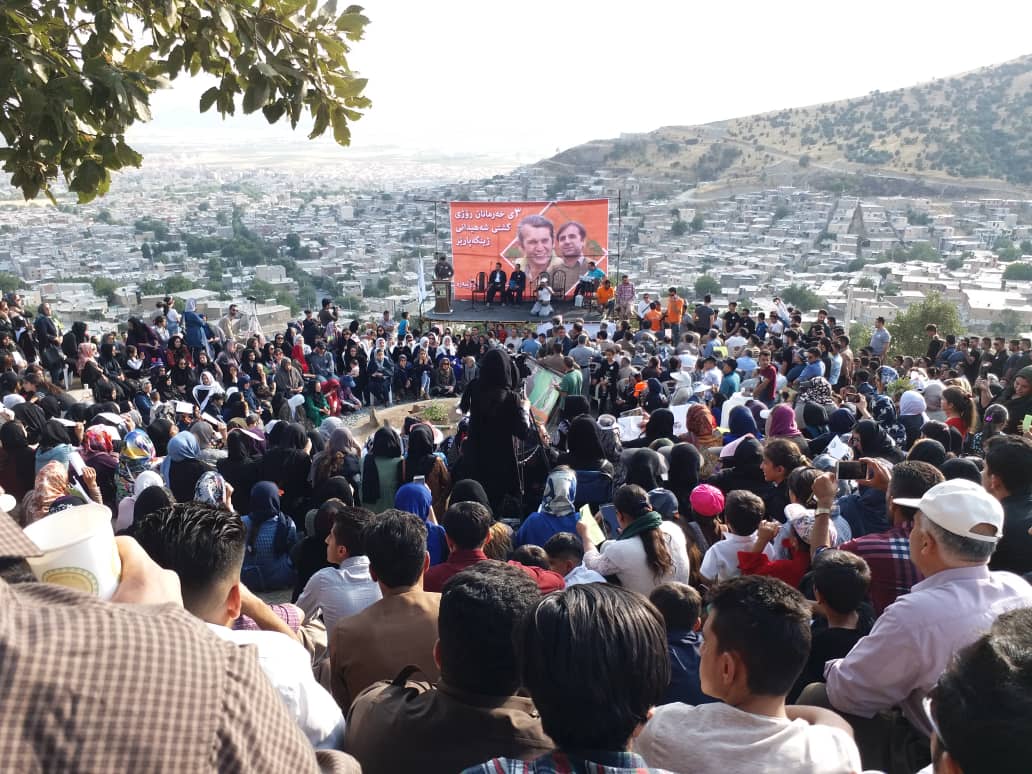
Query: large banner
[541,238]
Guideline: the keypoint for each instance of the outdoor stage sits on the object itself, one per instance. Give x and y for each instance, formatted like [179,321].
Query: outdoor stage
[464,311]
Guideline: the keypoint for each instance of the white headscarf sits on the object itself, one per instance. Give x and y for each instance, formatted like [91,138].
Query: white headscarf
[560,491]
[912,404]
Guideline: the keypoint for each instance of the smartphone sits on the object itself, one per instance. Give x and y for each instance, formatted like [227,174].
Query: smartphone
[609,514]
[1026,423]
[851,471]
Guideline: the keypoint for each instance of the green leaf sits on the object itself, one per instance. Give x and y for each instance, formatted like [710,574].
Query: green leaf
[274,112]
[257,95]
[341,131]
[322,120]
[208,98]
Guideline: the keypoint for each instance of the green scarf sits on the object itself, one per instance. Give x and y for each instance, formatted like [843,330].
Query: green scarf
[645,522]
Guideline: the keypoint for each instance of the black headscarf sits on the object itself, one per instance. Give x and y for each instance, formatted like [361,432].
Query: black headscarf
[575,406]
[469,490]
[420,459]
[875,442]
[584,441]
[645,468]
[12,436]
[151,500]
[292,436]
[160,433]
[53,435]
[386,444]
[33,418]
[335,487]
[497,371]
[683,476]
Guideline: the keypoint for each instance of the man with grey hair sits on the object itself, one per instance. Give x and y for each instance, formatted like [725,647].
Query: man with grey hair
[956,528]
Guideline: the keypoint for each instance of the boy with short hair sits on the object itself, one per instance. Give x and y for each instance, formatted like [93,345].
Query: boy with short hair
[755,642]
[566,557]
[840,583]
[743,512]
[680,605]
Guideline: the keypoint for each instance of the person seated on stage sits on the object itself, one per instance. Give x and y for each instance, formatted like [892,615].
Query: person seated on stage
[590,279]
[496,283]
[543,306]
[517,284]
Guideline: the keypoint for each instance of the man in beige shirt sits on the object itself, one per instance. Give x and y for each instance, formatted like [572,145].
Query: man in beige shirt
[399,630]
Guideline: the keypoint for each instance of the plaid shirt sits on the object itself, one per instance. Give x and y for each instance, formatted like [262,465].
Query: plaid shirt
[624,293]
[594,762]
[93,686]
[888,556]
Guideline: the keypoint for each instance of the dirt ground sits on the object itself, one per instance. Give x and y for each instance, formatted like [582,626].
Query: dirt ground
[396,416]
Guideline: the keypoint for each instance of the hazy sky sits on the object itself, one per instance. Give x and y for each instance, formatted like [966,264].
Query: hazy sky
[525,79]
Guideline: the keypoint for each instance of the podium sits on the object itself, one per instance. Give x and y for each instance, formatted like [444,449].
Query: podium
[442,296]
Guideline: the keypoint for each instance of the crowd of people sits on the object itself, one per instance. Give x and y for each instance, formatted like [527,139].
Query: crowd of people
[737,543]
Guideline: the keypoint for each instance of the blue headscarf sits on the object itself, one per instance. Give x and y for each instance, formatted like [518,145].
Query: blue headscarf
[740,423]
[182,447]
[416,498]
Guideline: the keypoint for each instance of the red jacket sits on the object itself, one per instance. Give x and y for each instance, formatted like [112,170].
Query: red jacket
[460,559]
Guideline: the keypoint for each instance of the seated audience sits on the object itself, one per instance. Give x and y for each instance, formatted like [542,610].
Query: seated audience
[400,629]
[755,643]
[956,528]
[346,587]
[204,546]
[680,605]
[474,711]
[592,721]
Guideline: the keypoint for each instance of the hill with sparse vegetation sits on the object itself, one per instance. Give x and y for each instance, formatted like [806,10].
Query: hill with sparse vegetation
[974,129]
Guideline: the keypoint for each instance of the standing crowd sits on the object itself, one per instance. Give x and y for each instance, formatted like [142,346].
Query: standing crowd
[737,543]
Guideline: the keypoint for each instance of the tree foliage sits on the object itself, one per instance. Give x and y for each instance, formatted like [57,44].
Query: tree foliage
[75,74]
[9,282]
[908,329]
[1021,272]
[705,284]
[802,297]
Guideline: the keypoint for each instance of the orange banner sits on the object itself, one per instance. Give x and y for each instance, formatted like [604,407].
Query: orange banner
[556,240]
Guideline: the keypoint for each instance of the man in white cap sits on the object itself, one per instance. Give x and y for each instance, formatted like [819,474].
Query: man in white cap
[956,528]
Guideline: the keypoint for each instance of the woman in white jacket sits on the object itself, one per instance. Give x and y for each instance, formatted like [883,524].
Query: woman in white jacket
[644,555]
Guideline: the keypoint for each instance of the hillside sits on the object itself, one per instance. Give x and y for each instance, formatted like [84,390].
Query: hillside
[974,128]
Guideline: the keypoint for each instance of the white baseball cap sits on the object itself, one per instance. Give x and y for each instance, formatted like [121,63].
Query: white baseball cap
[958,506]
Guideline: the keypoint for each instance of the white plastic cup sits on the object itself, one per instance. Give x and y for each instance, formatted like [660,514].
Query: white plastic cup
[79,550]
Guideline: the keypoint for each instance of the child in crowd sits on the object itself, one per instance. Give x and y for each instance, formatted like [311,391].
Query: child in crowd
[743,512]
[566,557]
[840,584]
[680,605]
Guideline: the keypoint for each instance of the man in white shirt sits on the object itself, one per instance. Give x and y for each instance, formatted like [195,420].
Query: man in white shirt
[956,529]
[347,588]
[205,547]
[743,512]
[756,640]
[566,557]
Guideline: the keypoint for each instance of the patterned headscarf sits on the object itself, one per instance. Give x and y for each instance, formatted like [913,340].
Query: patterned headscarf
[560,492]
[818,391]
[51,483]
[211,489]
[98,439]
[887,375]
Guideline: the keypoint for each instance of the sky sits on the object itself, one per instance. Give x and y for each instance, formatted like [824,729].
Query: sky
[526,80]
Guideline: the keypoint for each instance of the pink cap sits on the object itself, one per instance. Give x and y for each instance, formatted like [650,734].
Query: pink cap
[707,500]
